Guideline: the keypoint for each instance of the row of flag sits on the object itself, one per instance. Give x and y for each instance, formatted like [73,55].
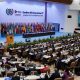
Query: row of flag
[9,28]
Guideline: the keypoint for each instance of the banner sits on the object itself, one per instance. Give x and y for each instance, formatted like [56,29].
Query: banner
[17,12]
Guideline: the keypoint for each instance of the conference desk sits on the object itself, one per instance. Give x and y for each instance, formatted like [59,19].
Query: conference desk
[27,35]
[2,78]
[32,77]
[46,56]
[15,62]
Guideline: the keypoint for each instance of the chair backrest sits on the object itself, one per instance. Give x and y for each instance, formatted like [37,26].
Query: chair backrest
[58,79]
[7,65]
[71,78]
[34,72]
[72,64]
[20,73]
[10,74]
[1,75]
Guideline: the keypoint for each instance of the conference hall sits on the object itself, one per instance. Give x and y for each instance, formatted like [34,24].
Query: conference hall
[39,39]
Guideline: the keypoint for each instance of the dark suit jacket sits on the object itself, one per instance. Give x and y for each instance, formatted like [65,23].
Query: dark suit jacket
[55,75]
[15,78]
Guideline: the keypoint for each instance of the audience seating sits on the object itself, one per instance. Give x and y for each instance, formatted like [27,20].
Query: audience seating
[20,73]
[73,66]
[10,74]
[65,55]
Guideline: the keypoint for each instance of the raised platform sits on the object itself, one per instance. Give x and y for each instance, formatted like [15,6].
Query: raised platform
[77,30]
[27,35]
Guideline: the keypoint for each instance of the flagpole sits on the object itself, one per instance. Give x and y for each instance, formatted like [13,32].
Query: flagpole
[45,14]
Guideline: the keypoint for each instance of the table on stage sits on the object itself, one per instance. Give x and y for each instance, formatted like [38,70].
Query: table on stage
[27,35]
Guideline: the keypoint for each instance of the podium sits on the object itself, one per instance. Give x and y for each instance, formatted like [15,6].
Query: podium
[9,39]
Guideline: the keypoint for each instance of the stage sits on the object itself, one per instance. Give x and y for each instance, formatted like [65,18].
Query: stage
[19,38]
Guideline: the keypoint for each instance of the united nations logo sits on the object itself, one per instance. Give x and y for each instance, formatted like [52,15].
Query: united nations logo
[9,11]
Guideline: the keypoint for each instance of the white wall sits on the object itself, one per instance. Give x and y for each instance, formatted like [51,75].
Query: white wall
[71,23]
[75,5]
[57,13]
[21,6]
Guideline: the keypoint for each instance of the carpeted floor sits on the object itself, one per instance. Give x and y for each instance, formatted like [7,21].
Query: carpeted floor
[19,38]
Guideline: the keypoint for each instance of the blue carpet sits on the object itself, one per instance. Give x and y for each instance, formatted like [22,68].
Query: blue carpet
[19,38]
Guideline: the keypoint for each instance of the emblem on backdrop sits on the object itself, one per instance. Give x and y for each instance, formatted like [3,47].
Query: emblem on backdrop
[23,13]
[9,11]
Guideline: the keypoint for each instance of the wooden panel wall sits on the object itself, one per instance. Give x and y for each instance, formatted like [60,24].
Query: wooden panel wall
[60,1]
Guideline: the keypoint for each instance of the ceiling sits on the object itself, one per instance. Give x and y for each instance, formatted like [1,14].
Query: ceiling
[60,1]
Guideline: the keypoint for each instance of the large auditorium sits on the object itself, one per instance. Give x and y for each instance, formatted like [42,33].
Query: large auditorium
[39,39]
